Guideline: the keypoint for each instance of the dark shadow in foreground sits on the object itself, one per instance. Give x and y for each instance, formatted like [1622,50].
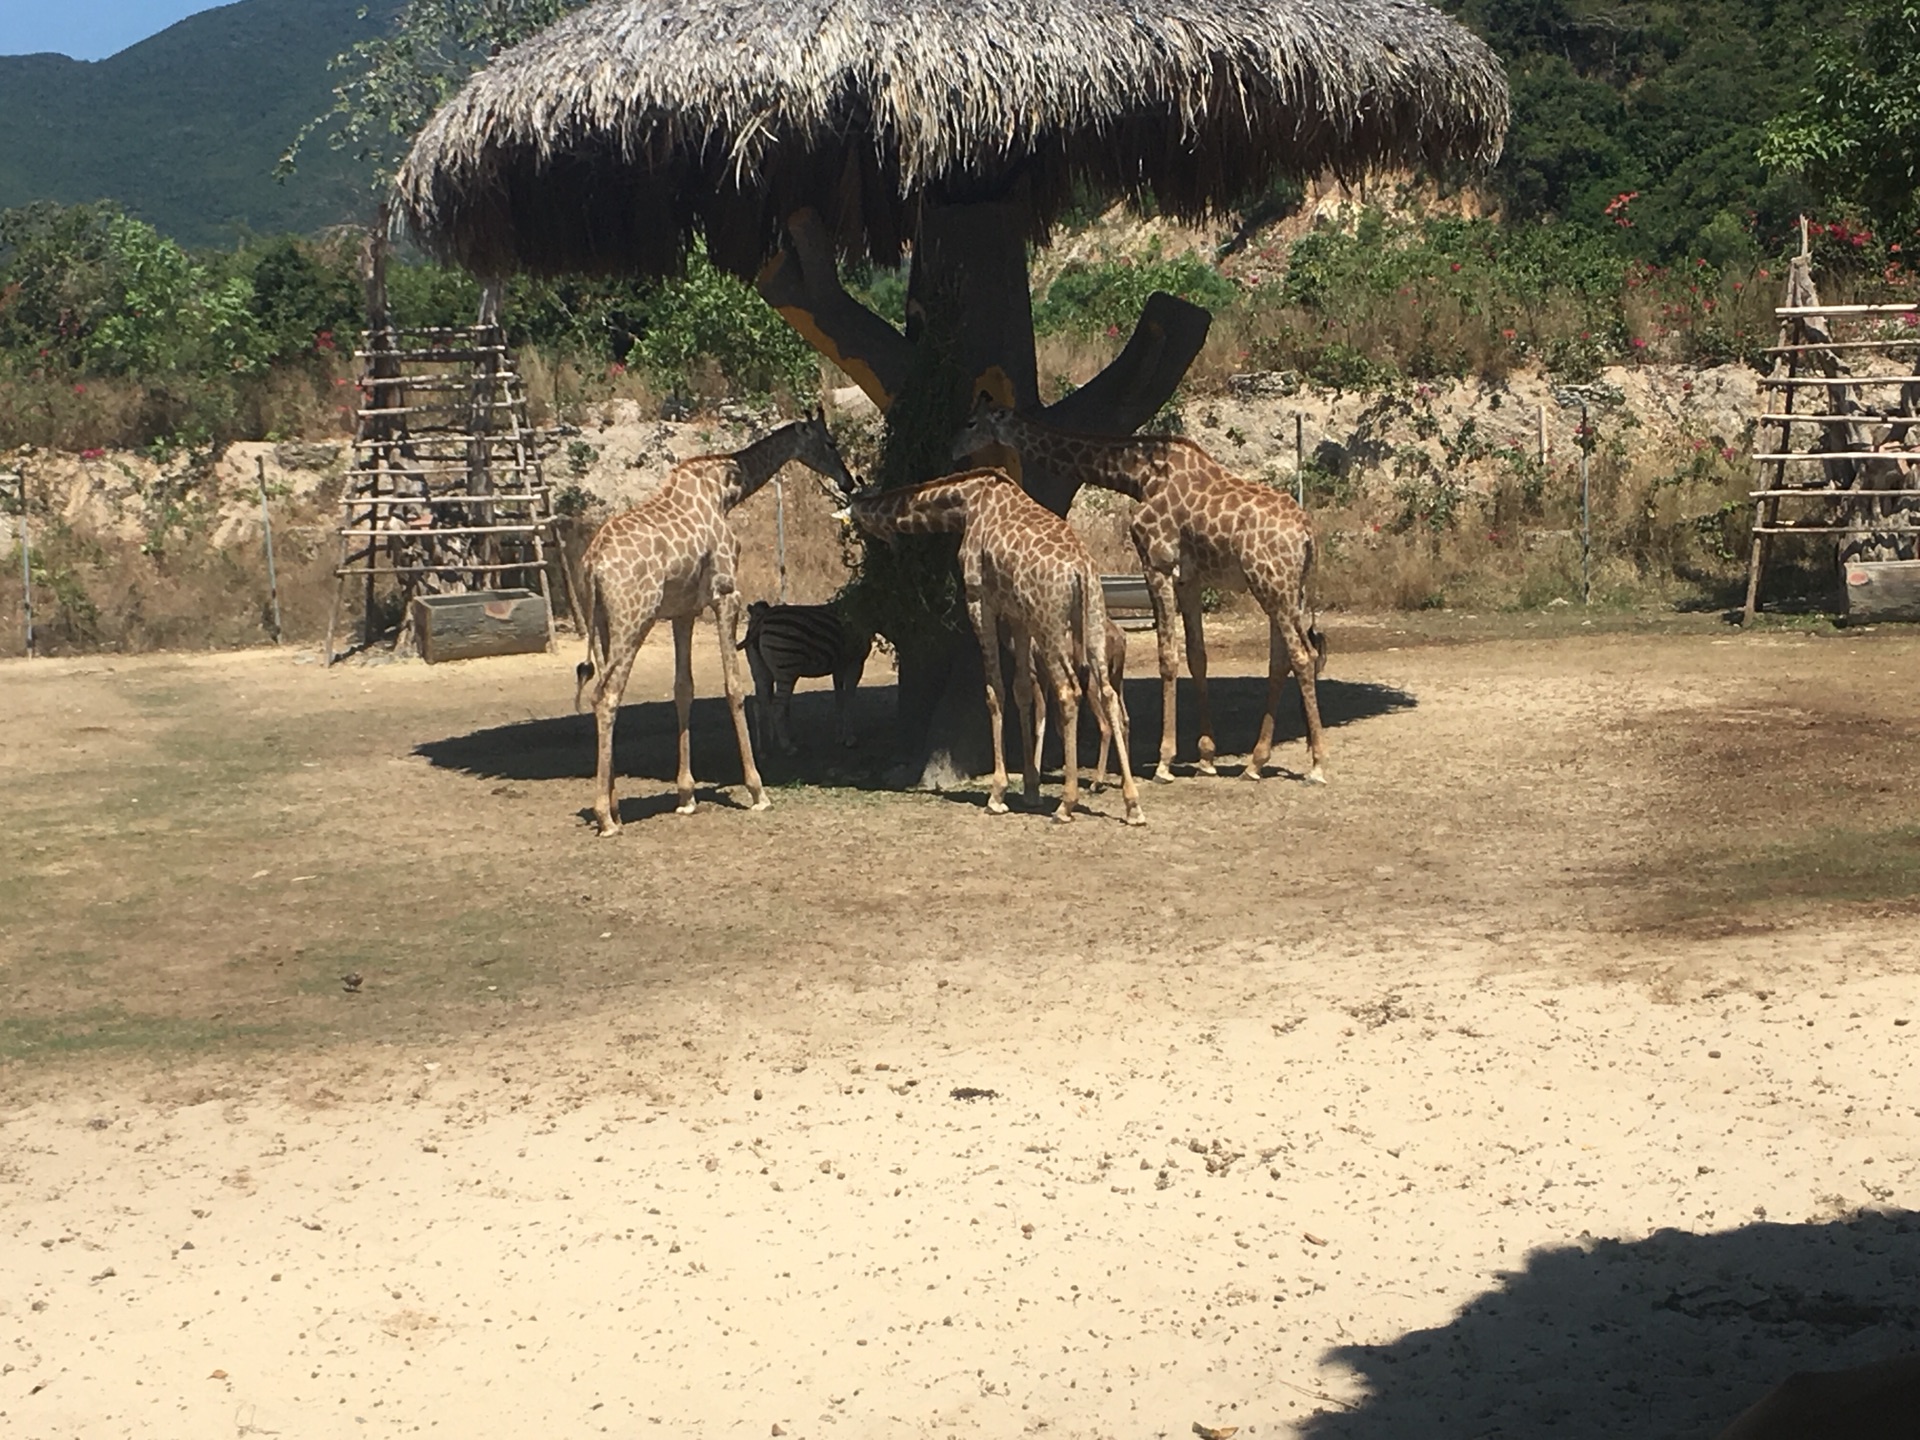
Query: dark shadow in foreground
[1671,1336]
[645,740]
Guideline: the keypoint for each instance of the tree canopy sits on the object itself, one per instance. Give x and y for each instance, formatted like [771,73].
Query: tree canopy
[1854,133]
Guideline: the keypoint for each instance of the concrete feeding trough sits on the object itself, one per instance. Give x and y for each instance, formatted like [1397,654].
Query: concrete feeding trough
[480,622]
[1128,604]
[1883,589]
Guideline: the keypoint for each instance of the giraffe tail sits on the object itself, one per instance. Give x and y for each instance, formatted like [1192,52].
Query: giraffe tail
[1310,631]
[584,672]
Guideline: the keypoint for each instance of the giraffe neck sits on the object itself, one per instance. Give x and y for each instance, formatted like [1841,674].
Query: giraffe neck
[935,508]
[1122,464]
[754,466]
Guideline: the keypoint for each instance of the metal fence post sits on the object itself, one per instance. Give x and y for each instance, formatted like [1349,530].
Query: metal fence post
[266,526]
[1586,513]
[780,533]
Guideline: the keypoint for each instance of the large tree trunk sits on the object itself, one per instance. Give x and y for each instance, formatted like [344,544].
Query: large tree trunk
[970,322]
[969,331]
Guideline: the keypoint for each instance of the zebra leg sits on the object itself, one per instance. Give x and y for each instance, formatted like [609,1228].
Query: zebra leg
[783,716]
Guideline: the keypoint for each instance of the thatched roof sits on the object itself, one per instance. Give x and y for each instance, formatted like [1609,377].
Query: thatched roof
[607,142]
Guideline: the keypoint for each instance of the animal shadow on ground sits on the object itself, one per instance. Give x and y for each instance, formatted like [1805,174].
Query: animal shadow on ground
[1674,1335]
[645,740]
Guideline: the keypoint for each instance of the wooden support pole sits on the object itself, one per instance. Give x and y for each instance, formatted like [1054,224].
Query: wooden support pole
[266,529]
[1767,511]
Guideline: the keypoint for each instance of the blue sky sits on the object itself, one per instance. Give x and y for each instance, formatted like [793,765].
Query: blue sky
[87,29]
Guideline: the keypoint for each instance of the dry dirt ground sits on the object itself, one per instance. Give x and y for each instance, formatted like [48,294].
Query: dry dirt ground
[1549,1070]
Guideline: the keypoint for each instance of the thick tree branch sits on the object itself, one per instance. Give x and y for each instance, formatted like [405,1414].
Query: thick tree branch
[1130,391]
[803,284]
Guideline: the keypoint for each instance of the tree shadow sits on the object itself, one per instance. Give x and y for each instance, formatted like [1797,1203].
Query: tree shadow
[646,737]
[1673,1335]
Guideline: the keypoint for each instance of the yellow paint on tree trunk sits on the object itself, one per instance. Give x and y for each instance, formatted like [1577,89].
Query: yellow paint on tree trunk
[996,385]
[808,329]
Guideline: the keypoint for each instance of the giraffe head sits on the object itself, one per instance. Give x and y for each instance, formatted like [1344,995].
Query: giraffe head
[814,448]
[991,423]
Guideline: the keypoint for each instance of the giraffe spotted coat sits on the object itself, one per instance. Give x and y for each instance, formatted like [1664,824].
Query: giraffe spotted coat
[1024,568]
[1197,526]
[669,558]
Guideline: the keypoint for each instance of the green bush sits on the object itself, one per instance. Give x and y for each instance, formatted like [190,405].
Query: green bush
[1106,297]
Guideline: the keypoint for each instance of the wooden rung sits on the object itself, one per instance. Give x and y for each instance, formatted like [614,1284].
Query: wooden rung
[1828,493]
[1881,529]
[499,497]
[457,567]
[1785,381]
[1815,347]
[442,355]
[498,379]
[1785,310]
[1841,455]
[424,409]
[440,532]
[1864,417]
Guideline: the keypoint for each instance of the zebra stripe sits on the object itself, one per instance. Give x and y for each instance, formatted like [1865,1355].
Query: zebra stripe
[785,643]
[801,641]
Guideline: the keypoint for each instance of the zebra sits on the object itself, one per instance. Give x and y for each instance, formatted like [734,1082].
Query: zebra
[785,643]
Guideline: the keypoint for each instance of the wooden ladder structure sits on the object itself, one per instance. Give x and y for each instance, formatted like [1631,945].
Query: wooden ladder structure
[1838,370]
[445,493]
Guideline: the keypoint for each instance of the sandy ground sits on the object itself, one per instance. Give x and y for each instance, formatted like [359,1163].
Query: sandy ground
[1550,1070]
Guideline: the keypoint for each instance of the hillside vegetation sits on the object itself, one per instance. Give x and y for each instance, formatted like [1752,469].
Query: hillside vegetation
[1631,237]
[182,130]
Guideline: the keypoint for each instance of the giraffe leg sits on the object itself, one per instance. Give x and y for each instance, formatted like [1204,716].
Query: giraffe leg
[1029,698]
[1066,692]
[726,619]
[1109,700]
[1290,637]
[1301,653]
[683,707]
[1193,625]
[986,627]
[1160,590]
[606,709]
[1278,663]
[1038,699]
[1092,692]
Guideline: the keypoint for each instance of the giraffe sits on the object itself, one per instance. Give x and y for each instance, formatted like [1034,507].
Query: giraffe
[1024,566]
[1196,525]
[670,557]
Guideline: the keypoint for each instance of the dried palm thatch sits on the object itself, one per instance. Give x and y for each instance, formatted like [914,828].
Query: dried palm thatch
[608,142]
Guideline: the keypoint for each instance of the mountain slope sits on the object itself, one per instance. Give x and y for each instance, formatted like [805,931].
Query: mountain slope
[183,129]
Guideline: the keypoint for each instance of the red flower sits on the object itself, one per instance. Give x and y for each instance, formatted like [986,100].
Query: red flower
[1638,343]
[79,389]
[93,454]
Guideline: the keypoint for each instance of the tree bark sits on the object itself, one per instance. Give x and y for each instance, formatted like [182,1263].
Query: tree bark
[803,284]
